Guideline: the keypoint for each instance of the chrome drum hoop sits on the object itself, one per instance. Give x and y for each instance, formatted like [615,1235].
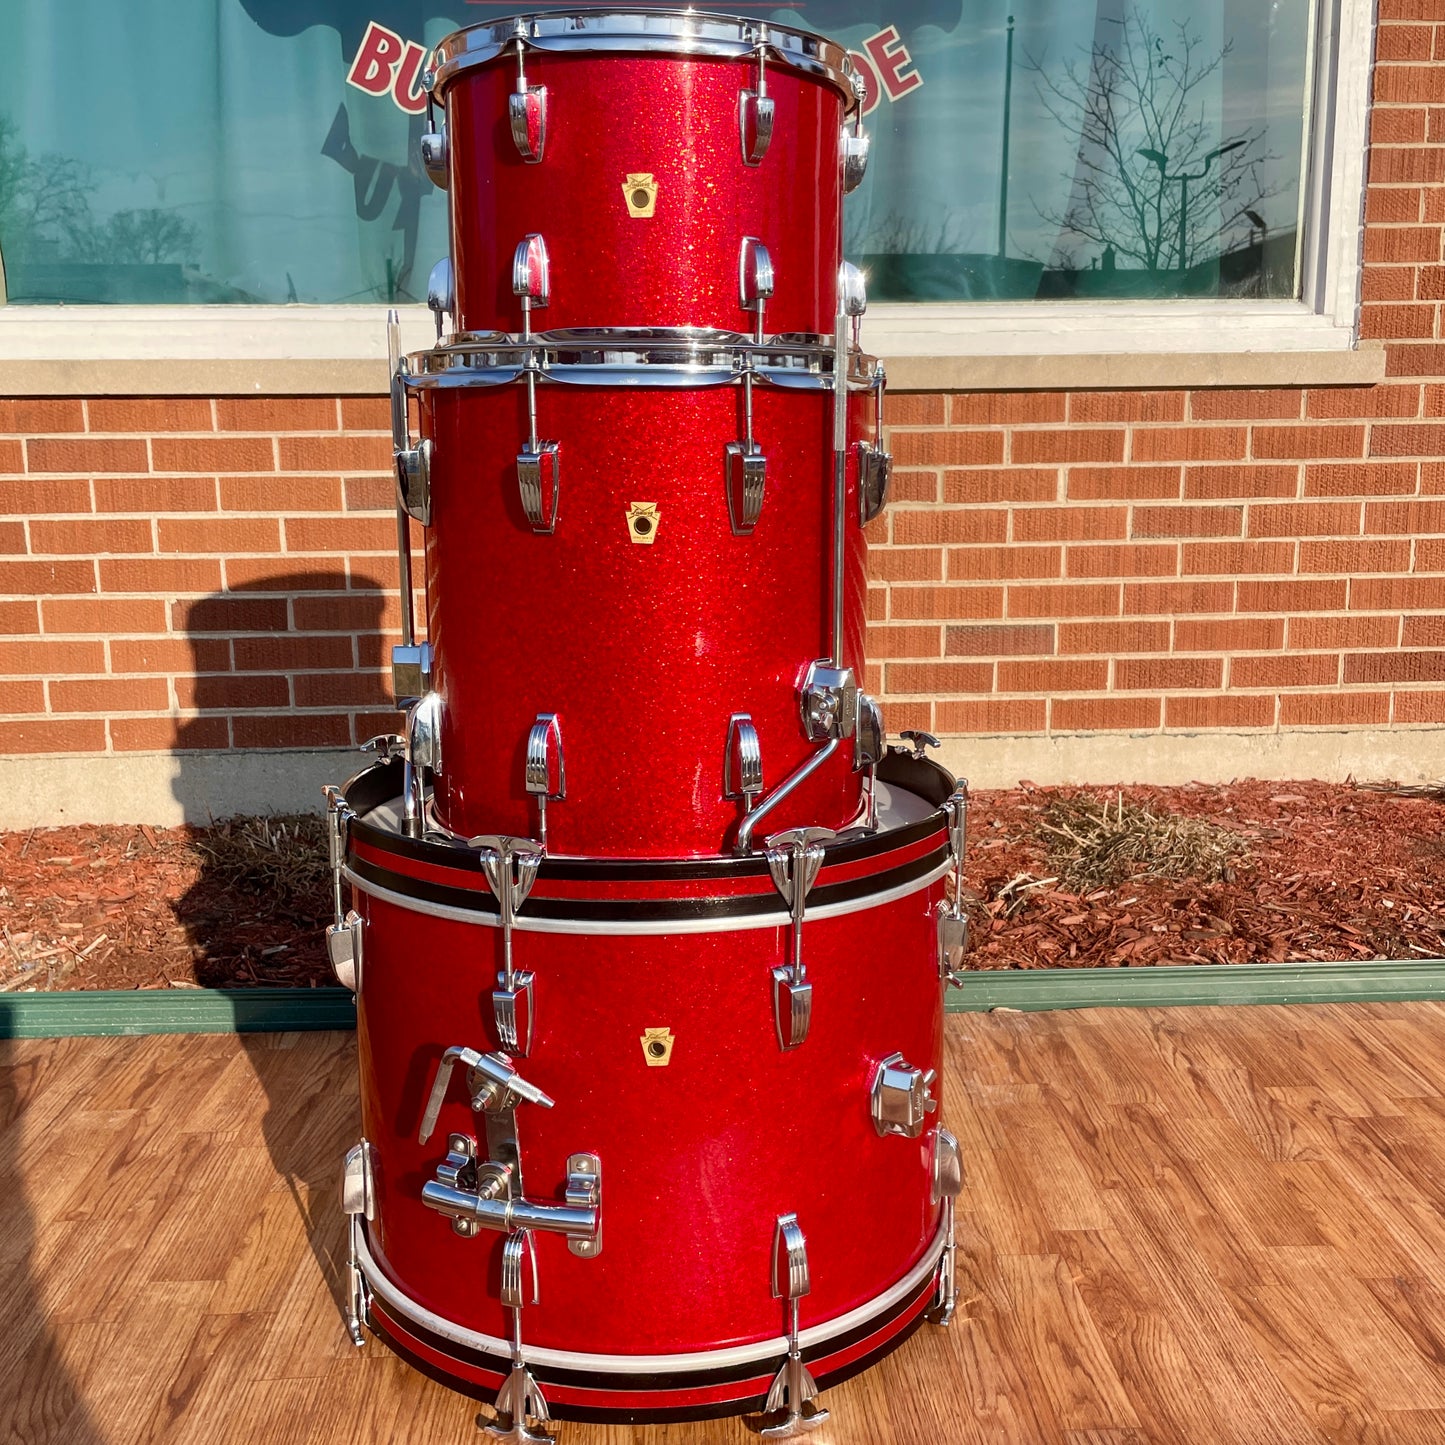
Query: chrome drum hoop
[683,34]
[676,358]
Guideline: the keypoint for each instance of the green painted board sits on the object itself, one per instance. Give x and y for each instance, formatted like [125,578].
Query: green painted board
[175,1011]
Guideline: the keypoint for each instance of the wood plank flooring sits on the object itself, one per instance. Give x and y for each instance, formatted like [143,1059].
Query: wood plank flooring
[1203,1225]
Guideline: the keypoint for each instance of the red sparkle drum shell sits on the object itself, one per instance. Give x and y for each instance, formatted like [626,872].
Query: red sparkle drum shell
[669,110]
[698,1157]
[643,652]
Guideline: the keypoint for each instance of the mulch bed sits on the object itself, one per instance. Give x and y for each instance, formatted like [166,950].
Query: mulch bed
[1250,872]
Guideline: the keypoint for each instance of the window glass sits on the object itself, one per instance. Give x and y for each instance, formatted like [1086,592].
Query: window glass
[265,150]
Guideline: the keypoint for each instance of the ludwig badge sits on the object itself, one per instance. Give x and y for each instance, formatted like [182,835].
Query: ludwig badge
[639,190]
[657,1047]
[642,521]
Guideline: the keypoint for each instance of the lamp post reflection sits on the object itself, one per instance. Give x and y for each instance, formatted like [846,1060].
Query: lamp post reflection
[1162,161]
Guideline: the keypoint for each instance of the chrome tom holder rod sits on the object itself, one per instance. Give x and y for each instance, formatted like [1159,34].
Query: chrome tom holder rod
[794,1390]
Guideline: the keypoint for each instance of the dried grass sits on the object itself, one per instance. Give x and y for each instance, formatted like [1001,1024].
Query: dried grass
[281,861]
[1095,842]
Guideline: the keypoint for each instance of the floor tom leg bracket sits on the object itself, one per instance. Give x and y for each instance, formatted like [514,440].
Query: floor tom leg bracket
[794,1392]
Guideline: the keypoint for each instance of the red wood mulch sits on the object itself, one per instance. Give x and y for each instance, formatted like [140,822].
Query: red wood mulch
[1328,872]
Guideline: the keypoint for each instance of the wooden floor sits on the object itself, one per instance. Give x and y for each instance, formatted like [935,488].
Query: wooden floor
[1187,1226]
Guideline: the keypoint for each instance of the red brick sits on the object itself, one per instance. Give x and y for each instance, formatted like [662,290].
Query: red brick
[1097,406]
[1228,634]
[1236,559]
[1402,244]
[373,413]
[49,658]
[235,614]
[927,603]
[1109,639]
[271,414]
[1308,633]
[1419,707]
[367,613]
[1408,84]
[905,564]
[110,694]
[366,534]
[1325,594]
[1284,442]
[1391,10]
[1429,286]
[24,696]
[347,453]
[999,641]
[1349,403]
[44,498]
[1353,557]
[1242,711]
[1160,674]
[80,454]
[1224,404]
[170,654]
[378,494]
[12,538]
[1103,714]
[1422,439]
[936,678]
[1429,554]
[1361,479]
[155,494]
[282,573]
[1417,632]
[169,734]
[18,618]
[1333,709]
[27,415]
[1390,125]
[1395,667]
[1406,166]
[108,616]
[153,574]
[1253,479]
[291,730]
[1166,599]
[1396,322]
[896,717]
[342,689]
[171,413]
[1069,524]
[1005,484]
[212,692]
[940,448]
[1392,208]
[913,527]
[92,537]
[1403,42]
[1072,444]
[1303,670]
[1304,519]
[1187,444]
[1054,675]
[286,494]
[22,579]
[289,652]
[1405,518]
[1007,716]
[1123,483]
[1391,283]
[1186,521]
[1003,564]
[214,454]
[53,735]
[1084,599]
[1132,560]
[1432,478]
[1385,594]
[905,487]
[1415,359]
[228,535]
[1006,408]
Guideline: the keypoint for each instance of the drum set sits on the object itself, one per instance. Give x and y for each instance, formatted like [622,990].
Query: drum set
[639,902]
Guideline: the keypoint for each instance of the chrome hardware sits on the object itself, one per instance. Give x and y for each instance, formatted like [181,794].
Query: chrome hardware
[539,474]
[756,110]
[794,858]
[413,468]
[531,278]
[441,292]
[338,817]
[875,473]
[358,1202]
[583,1190]
[343,948]
[853,147]
[852,292]
[434,156]
[919,741]
[742,760]
[410,672]
[507,1215]
[527,112]
[952,920]
[545,777]
[755,280]
[794,1391]
[952,945]
[828,699]
[747,475]
[901,1097]
[521,1408]
[493,1086]
[423,750]
[510,867]
[867,734]
[947,1180]
[401,443]
[785,789]
[386,746]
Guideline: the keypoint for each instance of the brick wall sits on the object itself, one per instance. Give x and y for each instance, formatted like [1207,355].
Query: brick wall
[219,573]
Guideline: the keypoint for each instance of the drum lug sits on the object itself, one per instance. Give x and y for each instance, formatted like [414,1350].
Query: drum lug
[411,668]
[512,1011]
[901,1097]
[828,701]
[756,110]
[413,477]
[358,1202]
[434,156]
[531,278]
[343,948]
[794,858]
[947,1181]
[539,468]
[952,920]
[338,820]
[441,292]
[867,734]
[510,867]
[853,147]
[794,1391]
[742,761]
[747,474]
[545,774]
[527,112]
[521,1408]
[755,279]
[875,473]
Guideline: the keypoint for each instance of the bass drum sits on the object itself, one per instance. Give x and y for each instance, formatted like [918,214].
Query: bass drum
[657,1133]
[638,611]
[646,149]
